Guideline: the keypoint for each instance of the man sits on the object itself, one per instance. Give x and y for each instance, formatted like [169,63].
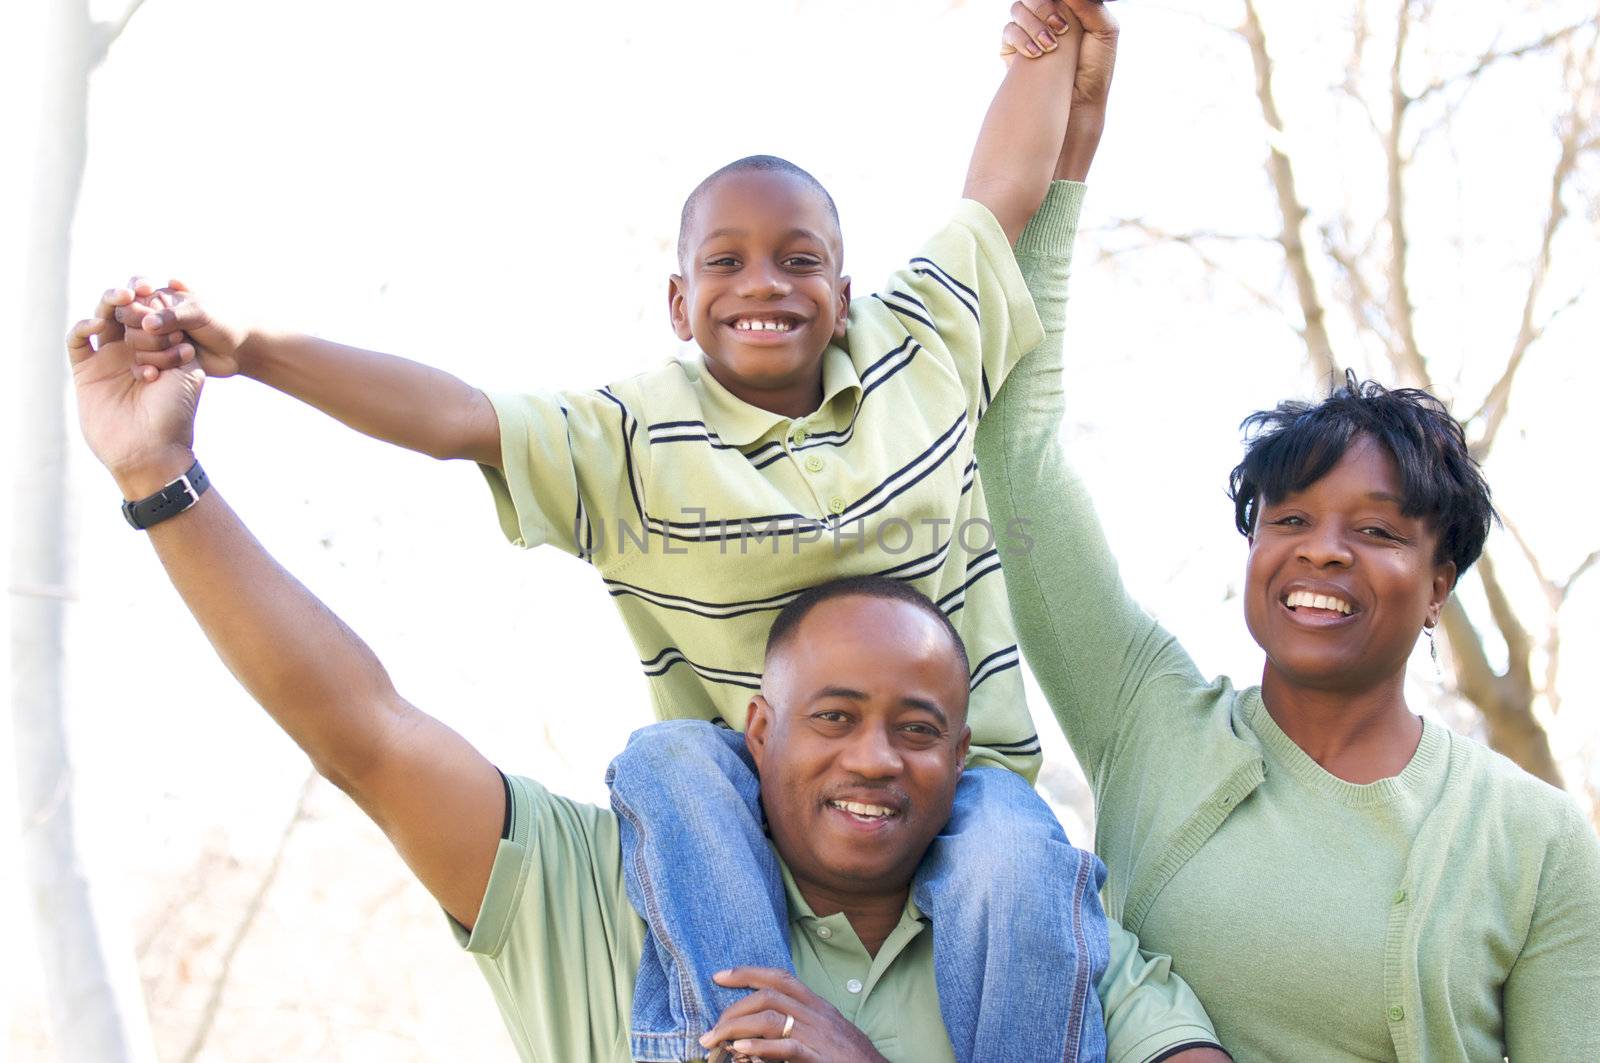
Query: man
[859,736]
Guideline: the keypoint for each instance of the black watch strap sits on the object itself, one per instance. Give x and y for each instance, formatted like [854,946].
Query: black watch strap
[171,500]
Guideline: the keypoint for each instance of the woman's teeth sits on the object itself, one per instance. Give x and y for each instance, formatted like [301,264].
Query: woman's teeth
[1317,601]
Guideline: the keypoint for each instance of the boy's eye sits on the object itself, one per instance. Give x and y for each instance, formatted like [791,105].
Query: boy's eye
[802,262]
[722,261]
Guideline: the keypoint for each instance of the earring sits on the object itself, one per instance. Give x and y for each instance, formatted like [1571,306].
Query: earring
[1433,648]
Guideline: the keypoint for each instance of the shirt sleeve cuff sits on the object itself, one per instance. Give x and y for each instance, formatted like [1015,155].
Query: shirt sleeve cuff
[1055,224]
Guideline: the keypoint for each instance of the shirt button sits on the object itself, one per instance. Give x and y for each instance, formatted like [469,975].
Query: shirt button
[814,464]
[800,434]
[836,505]
[824,932]
[854,985]
[1400,896]
[1397,1013]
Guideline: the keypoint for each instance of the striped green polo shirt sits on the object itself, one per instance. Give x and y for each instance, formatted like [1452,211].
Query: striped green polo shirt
[705,515]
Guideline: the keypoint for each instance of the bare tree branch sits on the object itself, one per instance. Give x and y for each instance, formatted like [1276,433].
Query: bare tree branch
[1365,309]
[1491,58]
[1192,241]
[1409,364]
[1575,128]
[1293,212]
[1583,566]
[107,33]
[208,1017]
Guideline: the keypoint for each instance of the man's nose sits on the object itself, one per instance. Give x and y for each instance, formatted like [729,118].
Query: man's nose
[871,754]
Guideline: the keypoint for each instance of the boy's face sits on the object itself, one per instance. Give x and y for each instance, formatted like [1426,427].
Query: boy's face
[761,291]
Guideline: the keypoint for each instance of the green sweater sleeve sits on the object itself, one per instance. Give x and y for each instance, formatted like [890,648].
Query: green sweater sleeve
[1089,645]
[1550,993]
[1148,1010]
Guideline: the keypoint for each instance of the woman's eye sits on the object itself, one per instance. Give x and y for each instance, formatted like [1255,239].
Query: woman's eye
[1291,521]
[1378,533]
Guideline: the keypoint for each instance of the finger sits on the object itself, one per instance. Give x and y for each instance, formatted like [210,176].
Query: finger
[80,345]
[177,285]
[761,978]
[787,1049]
[1024,16]
[1093,16]
[166,358]
[1014,39]
[141,286]
[1050,13]
[185,314]
[106,311]
[141,340]
[134,311]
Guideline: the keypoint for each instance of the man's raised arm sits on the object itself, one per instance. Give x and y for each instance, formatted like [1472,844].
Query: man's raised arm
[439,801]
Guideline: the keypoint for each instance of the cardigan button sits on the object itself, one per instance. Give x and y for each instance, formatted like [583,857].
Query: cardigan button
[1400,896]
[1397,1013]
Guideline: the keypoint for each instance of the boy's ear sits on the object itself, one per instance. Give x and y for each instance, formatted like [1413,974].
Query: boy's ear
[678,307]
[757,721]
[843,310]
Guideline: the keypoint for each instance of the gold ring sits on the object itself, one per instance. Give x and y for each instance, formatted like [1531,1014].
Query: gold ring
[788,1026]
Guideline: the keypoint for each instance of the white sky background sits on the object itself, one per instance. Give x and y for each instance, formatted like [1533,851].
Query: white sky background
[493,188]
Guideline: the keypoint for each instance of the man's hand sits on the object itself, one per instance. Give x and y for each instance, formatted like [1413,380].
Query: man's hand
[168,327]
[755,1026]
[141,428]
[1033,23]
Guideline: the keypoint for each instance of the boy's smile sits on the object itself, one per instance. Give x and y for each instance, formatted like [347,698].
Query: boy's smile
[761,290]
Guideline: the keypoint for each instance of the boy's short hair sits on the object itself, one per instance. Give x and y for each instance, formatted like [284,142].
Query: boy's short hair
[1295,444]
[761,163]
[790,616]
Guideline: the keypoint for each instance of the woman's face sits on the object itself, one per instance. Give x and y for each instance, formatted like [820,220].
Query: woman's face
[1339,582]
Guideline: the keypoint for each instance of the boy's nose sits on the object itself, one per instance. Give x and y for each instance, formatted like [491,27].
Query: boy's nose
[764,284]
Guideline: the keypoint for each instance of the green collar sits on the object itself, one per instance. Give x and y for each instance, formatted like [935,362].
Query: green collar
[739,424]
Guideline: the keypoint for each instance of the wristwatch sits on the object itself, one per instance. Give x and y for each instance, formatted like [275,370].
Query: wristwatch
[168,502]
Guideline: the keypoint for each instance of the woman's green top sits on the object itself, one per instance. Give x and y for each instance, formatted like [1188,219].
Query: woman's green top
[1451,912]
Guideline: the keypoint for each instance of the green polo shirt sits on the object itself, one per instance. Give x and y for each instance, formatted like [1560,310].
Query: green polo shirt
[559,945]
[705,515]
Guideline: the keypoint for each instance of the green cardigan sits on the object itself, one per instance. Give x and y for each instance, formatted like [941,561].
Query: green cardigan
[1487,939]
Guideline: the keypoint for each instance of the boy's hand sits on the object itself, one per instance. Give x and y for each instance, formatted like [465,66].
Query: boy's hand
[167,327]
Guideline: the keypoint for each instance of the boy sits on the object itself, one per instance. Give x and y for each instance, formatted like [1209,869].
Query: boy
[836,436]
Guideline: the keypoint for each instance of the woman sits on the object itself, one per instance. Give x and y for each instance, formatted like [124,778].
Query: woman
[1335,877]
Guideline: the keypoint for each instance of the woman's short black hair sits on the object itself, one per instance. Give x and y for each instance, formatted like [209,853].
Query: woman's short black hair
[1293,445]
[789,617]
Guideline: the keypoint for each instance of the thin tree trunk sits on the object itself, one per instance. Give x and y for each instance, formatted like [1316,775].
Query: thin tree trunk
[95,1004]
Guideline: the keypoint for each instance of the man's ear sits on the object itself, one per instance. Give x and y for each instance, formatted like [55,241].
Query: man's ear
[965,743]
[757,725]
[843,310]
[678,307]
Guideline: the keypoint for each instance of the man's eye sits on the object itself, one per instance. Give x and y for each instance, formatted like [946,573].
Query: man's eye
[830,716]
[922,730]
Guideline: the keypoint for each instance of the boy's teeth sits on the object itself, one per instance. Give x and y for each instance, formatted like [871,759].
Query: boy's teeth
[1317,601]
[746,325]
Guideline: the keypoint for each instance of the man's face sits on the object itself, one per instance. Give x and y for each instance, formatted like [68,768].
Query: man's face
[761,291]
[860,737]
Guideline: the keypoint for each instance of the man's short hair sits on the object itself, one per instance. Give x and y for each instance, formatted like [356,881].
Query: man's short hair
[790,616]
[763,164]
[1293,445]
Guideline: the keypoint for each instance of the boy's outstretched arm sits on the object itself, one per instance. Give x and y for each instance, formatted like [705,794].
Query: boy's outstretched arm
[439,801]
[394,399]
[1020,146]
